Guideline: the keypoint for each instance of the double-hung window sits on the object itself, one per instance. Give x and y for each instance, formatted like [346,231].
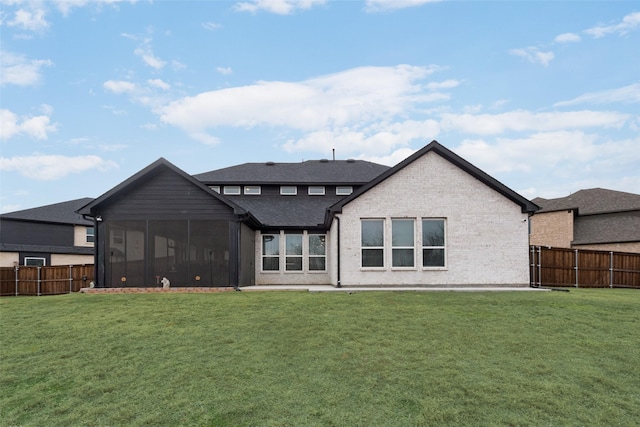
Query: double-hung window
[270,252]
[433,243]
[293,252]
[402,243]
[90,235]
[372,242]
[317,252]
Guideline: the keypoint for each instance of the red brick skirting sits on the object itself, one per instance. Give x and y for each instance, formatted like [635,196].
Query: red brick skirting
[152,290]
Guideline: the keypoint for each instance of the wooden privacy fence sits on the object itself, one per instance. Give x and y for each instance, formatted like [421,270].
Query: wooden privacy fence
[557,267]
[52,280]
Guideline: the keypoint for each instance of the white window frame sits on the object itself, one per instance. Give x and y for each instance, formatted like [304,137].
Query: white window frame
[90,236]
[232,190]
[288,190]
[382,247]
[443,247]
[253,190]
[276,255]
[395,247]
[344,190]
[316,256]
[29,258]
[293,256]
[316,190]
[215,188]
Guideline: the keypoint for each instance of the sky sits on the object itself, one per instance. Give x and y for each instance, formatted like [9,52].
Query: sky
[542,95]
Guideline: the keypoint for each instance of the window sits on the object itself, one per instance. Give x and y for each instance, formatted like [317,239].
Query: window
[91,235]
[215,188]
[316,190]
[232,189]
[402,243]
[34,261]
[433,243]
[288,190]
[343,191]
[317,252]
[293,252]
[372,238]
[270,252]
[252,189]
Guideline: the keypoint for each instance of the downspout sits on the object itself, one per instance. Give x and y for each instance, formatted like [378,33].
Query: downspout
[338,249]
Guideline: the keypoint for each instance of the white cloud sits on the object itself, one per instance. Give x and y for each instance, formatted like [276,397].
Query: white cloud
[381,5]
[37,127]
[392,159]
[521,120]
[159,84]
[52,167]
[30,19]
[629,23]
[119,86]
[211,26]
[567,38]
[224,71]
[17,70]
[352,98]
[630,94]
[533,55]
[279,7]
[447,84]
[149,58]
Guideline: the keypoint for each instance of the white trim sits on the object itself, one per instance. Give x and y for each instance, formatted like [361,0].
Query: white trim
[316,190]
[232,189]
[344,190]
[288,190]
[215,188]
[254,190]
[44,261]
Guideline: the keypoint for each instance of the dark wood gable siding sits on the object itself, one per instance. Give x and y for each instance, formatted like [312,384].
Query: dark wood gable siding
[164,194]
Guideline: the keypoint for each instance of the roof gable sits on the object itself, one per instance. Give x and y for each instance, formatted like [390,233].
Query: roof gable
[148,172]
[435,147]
[322,172]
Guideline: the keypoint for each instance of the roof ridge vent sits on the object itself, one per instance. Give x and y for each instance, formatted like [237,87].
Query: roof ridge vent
[270,163]
[324,160]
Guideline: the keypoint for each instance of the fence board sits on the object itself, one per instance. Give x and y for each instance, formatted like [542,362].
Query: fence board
[583,268]
[52,280]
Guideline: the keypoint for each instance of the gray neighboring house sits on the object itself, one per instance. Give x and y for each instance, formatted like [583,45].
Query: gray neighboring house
[47,235]
[594,218]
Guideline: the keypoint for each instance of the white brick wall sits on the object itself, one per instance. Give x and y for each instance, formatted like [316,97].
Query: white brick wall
[487,234]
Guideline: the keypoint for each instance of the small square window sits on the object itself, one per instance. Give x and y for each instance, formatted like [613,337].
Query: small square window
[215,188]
[344,191]
[35,262]
[252,189]
[316,190]
[232,189]
[288,190]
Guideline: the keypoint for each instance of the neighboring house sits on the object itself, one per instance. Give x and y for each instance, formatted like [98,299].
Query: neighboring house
[595,218]
[433,219]
[47,235]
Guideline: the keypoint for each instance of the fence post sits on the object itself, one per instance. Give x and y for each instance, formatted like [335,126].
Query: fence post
[611,269]
[539,266]
[39,280]
[70,277]
[576,268]
[17,269]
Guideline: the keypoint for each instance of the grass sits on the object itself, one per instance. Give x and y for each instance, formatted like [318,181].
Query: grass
[293,358]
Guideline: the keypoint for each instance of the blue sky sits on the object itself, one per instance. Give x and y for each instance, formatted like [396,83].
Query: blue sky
[544,96]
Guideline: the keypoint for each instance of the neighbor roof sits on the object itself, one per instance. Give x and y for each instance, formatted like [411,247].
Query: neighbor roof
[60,213]
[592,201]
[321,172]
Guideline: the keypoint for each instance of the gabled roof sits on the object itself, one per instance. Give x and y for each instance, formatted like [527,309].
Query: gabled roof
[59,213]
[435,147]
[592,201]
[320,172]
[150,170]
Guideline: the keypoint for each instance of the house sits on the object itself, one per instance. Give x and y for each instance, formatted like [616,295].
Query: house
[594,218]
[433,219]
[47,235]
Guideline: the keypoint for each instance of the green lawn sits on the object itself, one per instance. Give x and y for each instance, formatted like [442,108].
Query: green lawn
[294,358]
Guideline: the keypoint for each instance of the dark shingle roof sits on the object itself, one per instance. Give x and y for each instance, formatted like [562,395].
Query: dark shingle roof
[288,211]
[327,172]
[60,213]
[592,201]
[616,227]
